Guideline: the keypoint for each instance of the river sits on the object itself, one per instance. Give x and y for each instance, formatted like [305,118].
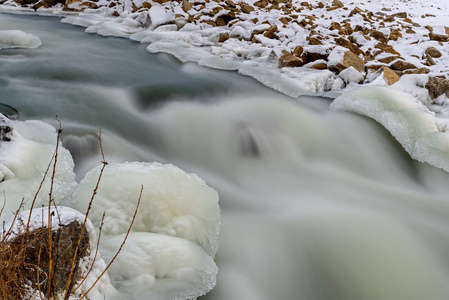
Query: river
[315,205]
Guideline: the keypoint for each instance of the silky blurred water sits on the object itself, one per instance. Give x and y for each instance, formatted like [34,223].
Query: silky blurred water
[315,205]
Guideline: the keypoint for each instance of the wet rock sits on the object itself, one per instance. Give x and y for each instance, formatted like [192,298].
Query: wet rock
[437,86]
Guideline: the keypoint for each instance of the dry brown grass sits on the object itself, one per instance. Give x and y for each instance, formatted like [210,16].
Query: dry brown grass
[43,263]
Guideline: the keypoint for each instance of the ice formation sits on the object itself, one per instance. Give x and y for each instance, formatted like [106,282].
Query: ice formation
[175,234]
[18,39]
[24,157]
[419,130]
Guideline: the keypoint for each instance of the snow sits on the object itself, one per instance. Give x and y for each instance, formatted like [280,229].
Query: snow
[23,162]
[18,39]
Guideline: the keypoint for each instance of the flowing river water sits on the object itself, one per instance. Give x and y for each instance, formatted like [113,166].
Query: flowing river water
[315,205]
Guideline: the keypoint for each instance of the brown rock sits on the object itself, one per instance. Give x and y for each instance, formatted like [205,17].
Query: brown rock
[388,59]
[261,3]
[246,8]
[320,4]
[378,35]
[438,37]
[298,51]
[386,48]
[285,20]
[186,5]
[315,41]
[408,20]
[271,32]
[230,3]
[410,31]
[355,11]
[337,4]
[313,56]
[350,59]
[437,86]
[223,37]
[400,15]
[433,52]
[290,61]
[146,4]
[335,26]
[395,34]
[389,75]
[347,44]
[401,65]
[416,71]
[319,66]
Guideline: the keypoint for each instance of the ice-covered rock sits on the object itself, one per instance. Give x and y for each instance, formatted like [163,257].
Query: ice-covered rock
[25,157]
[18,39]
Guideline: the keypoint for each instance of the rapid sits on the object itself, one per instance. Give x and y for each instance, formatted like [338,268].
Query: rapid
[315,204]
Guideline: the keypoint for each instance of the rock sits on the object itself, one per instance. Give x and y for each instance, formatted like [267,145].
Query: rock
[337,4]
[416,71]
[400,15]
[386,48]
[438,37]
[179,20]
[285,20]
[319,66]
[350,59]
[437,86]
[261,3]
[186,5]
[395,34]
[378,35]
[401,65]
[389,75]
[313,56]
[145,4]
[271,32]
[5,128]
[290,61]
[335,26]
[223,37]
[388,59]
[315,41]
[347,44]
[246,8]
[355,11]
[433,52]
[298,51]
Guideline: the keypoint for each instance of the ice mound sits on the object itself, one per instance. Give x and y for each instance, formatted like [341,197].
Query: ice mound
[18,39]
[175,234]
[422,134]
[25,153]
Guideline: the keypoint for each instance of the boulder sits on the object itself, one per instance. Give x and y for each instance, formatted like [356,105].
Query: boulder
[246,8]
[395,34]
[271,32]
[355,11]
[347,44]
[186,5]
[223,37]
[298,51]
[437,86]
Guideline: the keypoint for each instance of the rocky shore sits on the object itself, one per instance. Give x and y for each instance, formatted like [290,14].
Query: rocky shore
[357,44]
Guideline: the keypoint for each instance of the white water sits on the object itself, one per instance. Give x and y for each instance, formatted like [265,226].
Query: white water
[314,204]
